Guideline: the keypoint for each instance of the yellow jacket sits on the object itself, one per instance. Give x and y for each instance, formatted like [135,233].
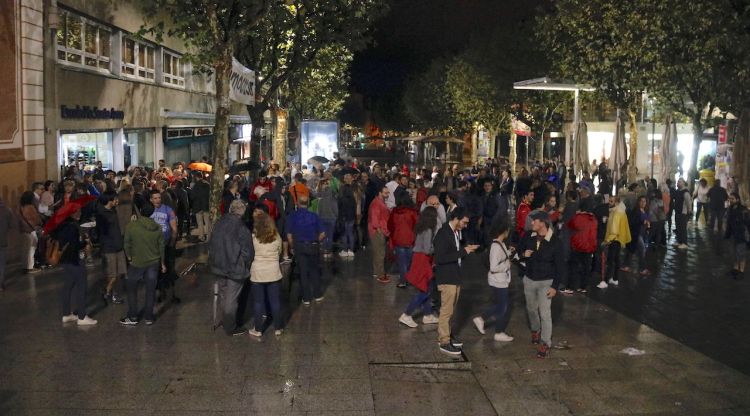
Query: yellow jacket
[618,228]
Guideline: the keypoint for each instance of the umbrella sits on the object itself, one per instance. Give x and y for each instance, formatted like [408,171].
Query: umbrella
[618,156]
[667,150]
[318,159]
[65,211]
[581,156]
[203,167]
[244,165]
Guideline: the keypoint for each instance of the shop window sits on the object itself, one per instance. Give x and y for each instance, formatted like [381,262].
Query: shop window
[138,59]
[82,42]
[139,148]
[173,70]
[84,149]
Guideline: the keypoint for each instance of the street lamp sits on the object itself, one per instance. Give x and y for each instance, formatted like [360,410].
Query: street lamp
[546,84]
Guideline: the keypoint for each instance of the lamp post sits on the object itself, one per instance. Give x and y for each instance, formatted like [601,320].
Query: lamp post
[653,133]
[546,84]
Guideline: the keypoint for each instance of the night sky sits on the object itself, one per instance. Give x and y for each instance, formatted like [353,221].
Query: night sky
[415,32]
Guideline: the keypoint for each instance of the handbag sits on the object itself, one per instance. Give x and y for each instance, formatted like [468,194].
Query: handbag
[54,252]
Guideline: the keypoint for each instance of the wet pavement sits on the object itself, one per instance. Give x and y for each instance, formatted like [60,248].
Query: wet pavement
[349,356]
[691,297]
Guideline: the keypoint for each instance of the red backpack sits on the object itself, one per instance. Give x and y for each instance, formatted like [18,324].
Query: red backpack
[583,239]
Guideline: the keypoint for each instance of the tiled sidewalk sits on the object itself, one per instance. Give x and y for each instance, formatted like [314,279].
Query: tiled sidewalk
[346,356]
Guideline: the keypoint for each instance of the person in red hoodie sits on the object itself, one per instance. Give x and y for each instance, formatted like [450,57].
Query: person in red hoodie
[401,225]
[582,245]
[377,228]
[523,211]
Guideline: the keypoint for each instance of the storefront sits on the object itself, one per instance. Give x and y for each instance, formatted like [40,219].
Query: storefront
[86,148]
[186,144]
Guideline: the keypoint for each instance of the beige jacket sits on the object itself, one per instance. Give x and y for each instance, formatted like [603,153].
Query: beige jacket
[265,267]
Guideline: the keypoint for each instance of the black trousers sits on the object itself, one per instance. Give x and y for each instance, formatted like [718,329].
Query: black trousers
[579,267]
[307,256]
[74,285]
[613,260]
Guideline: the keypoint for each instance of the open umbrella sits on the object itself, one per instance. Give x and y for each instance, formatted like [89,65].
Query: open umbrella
[203,167]
[668,150]
[65,211]
[618,156]
[318,159]
[581,156]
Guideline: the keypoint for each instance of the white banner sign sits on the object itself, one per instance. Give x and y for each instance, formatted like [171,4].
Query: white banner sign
[242,84]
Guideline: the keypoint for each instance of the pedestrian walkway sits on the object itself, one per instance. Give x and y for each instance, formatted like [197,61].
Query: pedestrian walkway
[346,356]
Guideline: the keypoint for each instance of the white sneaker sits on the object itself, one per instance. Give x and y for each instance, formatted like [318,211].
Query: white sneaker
[503,337]
[602,285]
[255,333]
[87,321]
[350,253]
[343,253]
[430,319]
[683,246]
[613,282]
[479,324]
[69,318]
[407,320]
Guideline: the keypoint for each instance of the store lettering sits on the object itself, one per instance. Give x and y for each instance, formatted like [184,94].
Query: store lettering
[241,84]
[91,113]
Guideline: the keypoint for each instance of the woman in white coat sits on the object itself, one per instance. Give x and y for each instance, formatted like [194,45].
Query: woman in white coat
[265,275]
[499,278]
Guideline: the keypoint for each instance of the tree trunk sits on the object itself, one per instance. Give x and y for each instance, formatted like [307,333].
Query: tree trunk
[697,139]
[223,70]
[257,120]
[632,168]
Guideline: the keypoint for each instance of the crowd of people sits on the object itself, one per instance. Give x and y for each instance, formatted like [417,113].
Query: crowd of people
[566,234]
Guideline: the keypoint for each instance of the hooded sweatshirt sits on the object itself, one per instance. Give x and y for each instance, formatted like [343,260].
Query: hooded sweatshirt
[144,242]
[618,228]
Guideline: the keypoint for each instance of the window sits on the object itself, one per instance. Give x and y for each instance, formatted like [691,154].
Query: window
[137,59]
[83,42]
[173,70]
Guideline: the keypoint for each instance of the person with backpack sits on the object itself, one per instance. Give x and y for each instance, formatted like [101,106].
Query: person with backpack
[498,277]
[401,225]
[737,231]
[583,238]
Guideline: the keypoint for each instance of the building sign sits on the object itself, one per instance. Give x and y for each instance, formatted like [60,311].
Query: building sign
[722,134]
[242,84]
[87,112]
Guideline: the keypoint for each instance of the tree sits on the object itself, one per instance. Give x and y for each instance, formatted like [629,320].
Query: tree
[211,31]
[690,72]
[289,39]
[320,90]
[601,42]
[427,102]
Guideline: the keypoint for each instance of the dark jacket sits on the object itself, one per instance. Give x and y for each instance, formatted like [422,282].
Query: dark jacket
[737,223]
[447,256]
[108,229]
[231,252]
[347,203]
[6,223]
[546,262]
[69,237]
[717,197]
[200,195]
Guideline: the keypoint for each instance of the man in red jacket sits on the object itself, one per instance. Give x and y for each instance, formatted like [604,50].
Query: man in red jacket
[523,211]
[582,246]
[377,227]
[401,225]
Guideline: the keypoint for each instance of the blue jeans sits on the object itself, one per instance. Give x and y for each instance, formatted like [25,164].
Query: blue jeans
[420,299]
[498,309]
[403,254]
[272,292]
[149,274]
[349,235]
[329,227]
